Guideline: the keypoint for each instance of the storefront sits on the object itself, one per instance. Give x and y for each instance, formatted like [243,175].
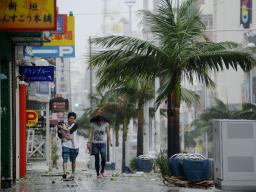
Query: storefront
[9,62]
[5,108]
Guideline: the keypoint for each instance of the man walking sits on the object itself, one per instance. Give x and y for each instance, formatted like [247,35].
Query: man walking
[69,140]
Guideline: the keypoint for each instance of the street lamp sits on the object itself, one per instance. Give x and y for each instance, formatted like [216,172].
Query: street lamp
[130,3]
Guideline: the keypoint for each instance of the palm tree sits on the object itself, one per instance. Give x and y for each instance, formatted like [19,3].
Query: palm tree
[115,105]
[125,108]
[99,99]
[178,50]
[219,111]
[223,111]
[141,90]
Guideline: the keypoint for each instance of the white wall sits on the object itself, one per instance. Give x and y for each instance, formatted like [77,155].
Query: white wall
[226,27]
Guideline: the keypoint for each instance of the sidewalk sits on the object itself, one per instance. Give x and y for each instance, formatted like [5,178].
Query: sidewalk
[39,180]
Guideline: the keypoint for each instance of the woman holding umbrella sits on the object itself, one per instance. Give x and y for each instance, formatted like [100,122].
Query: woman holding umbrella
[98,136]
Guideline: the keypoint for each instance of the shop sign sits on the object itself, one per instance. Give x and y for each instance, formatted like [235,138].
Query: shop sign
[37,73]
[32,118]
[61,24]
[23,15]
[59,104]
[65,34]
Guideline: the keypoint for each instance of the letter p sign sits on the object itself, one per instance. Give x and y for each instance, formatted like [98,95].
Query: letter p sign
[32,118]
[66,51]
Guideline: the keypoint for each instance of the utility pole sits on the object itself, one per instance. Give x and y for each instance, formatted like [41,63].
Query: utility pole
[90,68]
[130,3]
[104,17]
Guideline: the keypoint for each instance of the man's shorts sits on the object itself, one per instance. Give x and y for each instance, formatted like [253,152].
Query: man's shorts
[69,153]
[98,148]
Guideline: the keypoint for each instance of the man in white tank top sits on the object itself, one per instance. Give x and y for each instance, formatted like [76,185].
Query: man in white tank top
[70,147]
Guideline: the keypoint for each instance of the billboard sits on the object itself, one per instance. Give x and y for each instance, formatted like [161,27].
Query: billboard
[67,38]
[62,44]
[27,15]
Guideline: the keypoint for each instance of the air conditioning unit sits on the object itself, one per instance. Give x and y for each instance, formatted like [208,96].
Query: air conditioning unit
[234,143]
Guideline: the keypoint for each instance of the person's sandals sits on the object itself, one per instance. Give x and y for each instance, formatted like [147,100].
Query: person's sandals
[64,176]
[103,174]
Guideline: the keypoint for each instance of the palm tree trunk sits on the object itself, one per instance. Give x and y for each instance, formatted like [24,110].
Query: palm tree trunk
[108,155]
[117,136]
[140,128]
[173,124]
[125,129]
[117,131]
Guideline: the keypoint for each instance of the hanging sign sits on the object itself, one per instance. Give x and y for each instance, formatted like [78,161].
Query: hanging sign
[37,73]
[59,104]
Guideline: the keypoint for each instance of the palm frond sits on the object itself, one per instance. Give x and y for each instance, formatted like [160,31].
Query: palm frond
[189,97]
[164,90]
[218,60]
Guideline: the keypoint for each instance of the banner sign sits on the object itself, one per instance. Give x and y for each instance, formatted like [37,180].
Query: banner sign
[50,51]
[21,15]
[38,73]
[67,38]
[246,13]
[61,24]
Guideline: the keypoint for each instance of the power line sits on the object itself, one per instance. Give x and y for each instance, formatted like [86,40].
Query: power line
[227,30]
[107,13]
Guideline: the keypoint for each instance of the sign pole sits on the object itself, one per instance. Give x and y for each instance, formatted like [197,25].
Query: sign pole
[23,122]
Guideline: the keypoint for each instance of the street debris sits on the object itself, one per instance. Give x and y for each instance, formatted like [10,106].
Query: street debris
[173,181]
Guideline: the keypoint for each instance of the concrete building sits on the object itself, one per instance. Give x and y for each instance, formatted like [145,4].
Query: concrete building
[233,87]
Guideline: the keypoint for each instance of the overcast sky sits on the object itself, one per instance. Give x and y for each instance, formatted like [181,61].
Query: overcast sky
[88,22]
[88,18]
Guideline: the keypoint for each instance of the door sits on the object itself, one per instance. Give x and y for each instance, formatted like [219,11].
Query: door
[5,121]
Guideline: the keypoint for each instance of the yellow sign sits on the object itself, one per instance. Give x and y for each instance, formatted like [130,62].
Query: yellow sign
[25,15]
[32,118]
[64,39]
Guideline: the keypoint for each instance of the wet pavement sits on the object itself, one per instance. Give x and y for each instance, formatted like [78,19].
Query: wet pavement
[41,181]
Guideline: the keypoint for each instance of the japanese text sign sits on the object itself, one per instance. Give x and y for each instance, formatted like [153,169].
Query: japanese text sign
[38,73]
[61,24]
[25,15]
[67,38]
